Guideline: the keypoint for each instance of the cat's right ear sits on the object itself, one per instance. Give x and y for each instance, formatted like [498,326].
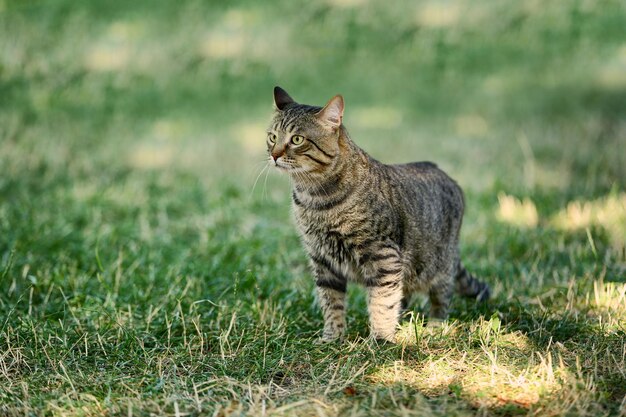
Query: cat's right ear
[332,113]
[281,98]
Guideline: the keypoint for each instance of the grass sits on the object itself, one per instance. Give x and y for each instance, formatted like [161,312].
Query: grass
[143,273]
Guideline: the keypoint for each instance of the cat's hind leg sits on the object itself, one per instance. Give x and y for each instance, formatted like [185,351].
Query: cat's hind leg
[440,295]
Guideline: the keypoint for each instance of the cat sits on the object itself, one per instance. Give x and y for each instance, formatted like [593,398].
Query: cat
[392,228]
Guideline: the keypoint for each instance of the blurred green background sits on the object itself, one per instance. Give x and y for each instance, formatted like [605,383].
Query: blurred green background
[133,238]
[513,94]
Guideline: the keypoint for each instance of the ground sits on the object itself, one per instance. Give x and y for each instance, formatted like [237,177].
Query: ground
[148,262]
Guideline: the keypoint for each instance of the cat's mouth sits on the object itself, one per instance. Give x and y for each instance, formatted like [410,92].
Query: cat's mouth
[289,168]
[283,165]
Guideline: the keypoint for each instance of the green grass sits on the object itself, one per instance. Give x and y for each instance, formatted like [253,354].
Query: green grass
[142,272]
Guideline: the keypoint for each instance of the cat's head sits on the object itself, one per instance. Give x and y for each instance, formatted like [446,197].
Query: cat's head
[302,138]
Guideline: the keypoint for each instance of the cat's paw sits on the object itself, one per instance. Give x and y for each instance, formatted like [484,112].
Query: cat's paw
[435,323]
[325,340]
[385,337]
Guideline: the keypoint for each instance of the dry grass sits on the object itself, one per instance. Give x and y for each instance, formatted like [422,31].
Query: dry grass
[143,273]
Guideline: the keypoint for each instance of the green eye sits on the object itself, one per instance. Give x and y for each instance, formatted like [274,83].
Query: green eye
[297,139]
[271,137]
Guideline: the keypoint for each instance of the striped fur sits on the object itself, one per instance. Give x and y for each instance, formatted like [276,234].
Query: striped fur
[392,228]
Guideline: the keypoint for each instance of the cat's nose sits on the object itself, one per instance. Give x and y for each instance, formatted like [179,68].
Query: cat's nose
[276,155]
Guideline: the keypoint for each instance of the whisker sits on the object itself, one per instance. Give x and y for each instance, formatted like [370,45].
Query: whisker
[265,185]
[265,168]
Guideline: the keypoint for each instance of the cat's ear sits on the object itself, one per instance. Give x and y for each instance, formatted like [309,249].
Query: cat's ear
[332,113]
[281,98]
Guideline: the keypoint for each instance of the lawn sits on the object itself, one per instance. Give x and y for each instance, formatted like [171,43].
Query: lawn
[148,262]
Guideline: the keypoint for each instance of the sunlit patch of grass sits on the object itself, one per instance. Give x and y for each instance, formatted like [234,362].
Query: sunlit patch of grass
[610,295]
[242,34]
[432,379]
[376,117]
[521,213]
[605,304]
[161,146]
[113,50]
[491,369]
[439,14]
[613,74]
[504,383]
[471,125]
[152,156]
[228,39]
[169,129]
[347,3]
[500,368]
[251,137]
[608,212]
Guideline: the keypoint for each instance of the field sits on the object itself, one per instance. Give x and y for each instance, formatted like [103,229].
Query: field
[148,262]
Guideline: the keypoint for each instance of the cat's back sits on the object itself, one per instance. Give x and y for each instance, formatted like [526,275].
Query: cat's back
[421,173]
[425,184]
[422,170]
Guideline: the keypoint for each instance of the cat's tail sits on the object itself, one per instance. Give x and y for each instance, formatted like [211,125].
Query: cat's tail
[469,286]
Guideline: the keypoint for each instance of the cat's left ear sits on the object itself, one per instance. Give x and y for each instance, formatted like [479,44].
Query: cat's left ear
[332,113]
[281,98]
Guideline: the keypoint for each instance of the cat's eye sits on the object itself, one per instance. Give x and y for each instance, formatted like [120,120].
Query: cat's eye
[297,139]
[271,137]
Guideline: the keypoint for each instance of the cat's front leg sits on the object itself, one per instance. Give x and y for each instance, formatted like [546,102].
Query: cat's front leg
[384,290]
[331,294]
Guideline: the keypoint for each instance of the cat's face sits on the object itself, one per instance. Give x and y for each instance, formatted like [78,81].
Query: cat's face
[301,138]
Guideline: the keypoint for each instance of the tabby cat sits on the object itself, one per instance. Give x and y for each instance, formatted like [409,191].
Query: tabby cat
[392,228]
